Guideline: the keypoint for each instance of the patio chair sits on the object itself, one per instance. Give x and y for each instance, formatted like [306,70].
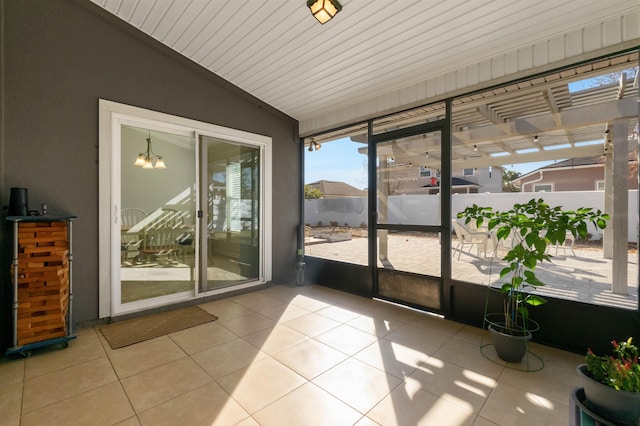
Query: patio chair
[130,216]
[569,241]
[468,237]
[162,245]
[130,242]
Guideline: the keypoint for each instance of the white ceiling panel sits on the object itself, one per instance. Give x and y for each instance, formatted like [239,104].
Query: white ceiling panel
[279,53]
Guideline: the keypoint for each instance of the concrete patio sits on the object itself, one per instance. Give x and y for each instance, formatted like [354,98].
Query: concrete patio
[585,277]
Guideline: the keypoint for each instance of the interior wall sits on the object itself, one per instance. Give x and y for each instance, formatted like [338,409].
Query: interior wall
[173,187]
[58,59]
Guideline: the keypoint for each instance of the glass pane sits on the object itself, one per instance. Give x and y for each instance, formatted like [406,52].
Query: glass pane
[335,206]
[233,213]
[410,251]
[409,180]
[571,140]
[157,218]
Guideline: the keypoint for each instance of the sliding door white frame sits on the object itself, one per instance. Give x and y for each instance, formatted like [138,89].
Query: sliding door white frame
[111,116]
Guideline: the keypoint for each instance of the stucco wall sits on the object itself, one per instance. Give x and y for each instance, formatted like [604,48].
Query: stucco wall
[579,179]
[60,57]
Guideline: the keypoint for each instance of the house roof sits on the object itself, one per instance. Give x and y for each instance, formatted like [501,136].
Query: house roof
[333,188]
[377,57]
[597,161]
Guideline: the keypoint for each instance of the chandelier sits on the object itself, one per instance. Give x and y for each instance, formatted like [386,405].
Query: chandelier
[146,159]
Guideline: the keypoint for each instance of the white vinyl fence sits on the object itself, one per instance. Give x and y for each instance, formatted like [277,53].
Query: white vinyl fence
[425,209]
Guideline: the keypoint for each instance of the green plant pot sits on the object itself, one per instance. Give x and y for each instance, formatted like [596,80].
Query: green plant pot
[509,348]
[619,407]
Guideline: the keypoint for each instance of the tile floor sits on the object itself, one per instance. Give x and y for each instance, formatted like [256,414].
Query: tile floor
[289,356]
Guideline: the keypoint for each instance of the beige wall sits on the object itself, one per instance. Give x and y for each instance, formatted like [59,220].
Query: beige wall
[579,179]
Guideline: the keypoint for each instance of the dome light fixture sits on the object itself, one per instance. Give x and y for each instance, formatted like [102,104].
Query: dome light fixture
[324,10]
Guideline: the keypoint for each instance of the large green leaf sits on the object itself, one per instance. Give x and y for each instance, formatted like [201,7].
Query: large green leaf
[506,271]
[534,300]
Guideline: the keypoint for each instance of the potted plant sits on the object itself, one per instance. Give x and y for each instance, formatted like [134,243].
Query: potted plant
[612,383]
[531,227]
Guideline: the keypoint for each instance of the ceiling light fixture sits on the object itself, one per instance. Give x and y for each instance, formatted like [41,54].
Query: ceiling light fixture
[316,146]
[535,139]
[475,148]
[324,10]
[145,159]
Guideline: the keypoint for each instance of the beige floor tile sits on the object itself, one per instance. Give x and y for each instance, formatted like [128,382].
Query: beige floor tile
[153,387]
[228,357]
[256,301]
[277,339]
[260,384]
[226,309]
[378,326]
[469,356]
[480,421]
[283,313]
[310,358]
[393,358]
[508,405]
[11,380]
[10,399]
[12,370]
[337,313]
[309,303]
[247,422]
[366,421]
[346,339]
[282,292]
[437,324]
[131,421]
[310,406]
[248,324]
[414,406]
[62,384]
[558,359]
[393,313]
[417,338]
[144,356]
[455,384]
[548,383]
[208,405]
[105,405]
[201,337]
[473,335]
[357,384]
[312,324]
[85,347]
[10,421]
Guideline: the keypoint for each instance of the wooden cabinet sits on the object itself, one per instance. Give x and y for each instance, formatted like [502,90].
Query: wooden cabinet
[41,279]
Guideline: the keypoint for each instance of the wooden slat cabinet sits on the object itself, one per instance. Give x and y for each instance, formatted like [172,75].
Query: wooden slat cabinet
[41,279]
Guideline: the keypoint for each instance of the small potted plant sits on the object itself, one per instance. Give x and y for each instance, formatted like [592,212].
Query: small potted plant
[612,383]
[532,227]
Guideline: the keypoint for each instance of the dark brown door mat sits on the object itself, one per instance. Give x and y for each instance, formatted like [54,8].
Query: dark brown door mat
[137,330]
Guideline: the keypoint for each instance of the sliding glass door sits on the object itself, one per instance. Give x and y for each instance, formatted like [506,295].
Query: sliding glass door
[232,209]
[185,209]
[158,215]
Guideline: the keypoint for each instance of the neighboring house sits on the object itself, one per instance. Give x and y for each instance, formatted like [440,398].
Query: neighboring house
[575,174]
[423,180]
[332,189]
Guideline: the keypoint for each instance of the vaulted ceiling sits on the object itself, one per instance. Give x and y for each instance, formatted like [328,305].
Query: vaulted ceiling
[371,50]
